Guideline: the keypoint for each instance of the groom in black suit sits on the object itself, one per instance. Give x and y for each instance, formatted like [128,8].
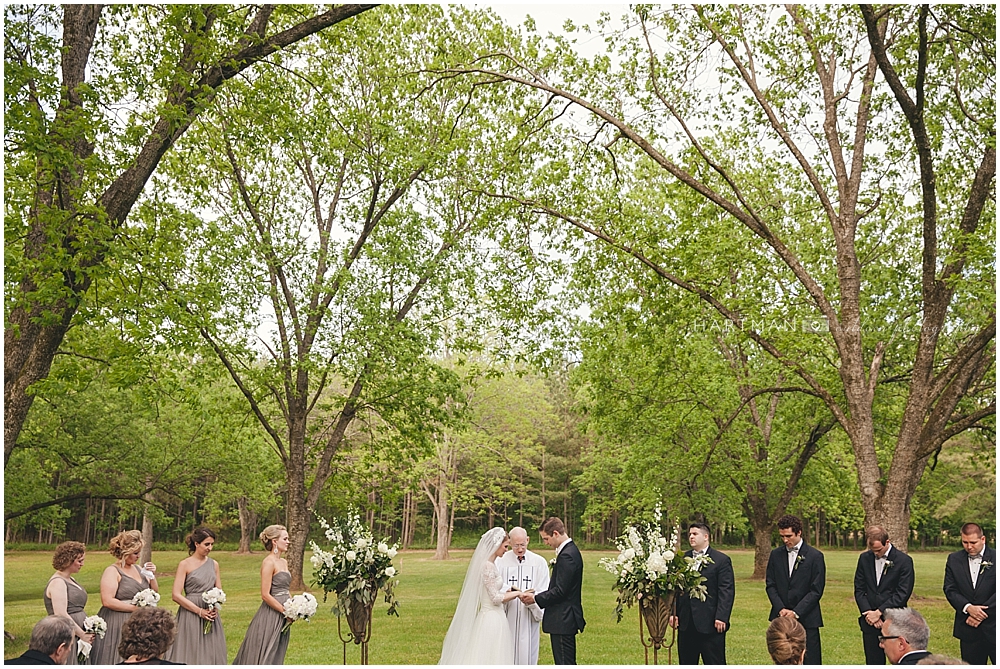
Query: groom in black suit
[883,580]
[702,625]
[970,584]
[796,577]
[563,610]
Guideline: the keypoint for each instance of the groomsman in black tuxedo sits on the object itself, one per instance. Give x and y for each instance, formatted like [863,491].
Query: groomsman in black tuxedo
[796,577]
[563,617]
[883,580]
[970,584]
[702,625]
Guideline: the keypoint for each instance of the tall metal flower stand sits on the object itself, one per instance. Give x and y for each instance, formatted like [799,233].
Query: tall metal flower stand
[655,612]
[359,622]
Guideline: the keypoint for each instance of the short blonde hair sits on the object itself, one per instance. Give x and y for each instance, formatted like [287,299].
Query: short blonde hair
[271,534]
[126,543]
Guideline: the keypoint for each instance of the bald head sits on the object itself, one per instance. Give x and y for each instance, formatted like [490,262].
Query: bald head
[519,541]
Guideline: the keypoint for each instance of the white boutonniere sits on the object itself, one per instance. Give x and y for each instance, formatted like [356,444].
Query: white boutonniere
[888,564]
[984,565]
[552,564]
[798,560]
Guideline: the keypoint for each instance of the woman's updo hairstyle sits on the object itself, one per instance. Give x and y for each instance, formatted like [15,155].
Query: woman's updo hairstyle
[126,543]
[271,534]
[198,535]
[786,640]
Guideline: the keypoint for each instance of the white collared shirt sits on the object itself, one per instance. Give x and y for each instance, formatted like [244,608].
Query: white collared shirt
[694,553]
[880,564]
[974,566]
[562,545]
[792,556]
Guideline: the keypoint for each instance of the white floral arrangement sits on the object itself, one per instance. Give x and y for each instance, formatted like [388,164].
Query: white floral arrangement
[91,625]
[147,597]
[355,566]
[214,599]
[648,565]
[299,607]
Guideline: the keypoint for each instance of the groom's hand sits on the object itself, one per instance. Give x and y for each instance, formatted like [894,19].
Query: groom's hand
[527,599]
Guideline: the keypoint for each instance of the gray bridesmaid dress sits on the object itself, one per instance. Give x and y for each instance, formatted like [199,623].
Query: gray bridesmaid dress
[264,642]
[76,600]
[106,650]
[192,645]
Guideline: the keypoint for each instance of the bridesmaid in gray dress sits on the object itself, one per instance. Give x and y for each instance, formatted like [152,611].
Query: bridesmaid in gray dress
[264,642]
[119,584]
[65,597]
[196,575]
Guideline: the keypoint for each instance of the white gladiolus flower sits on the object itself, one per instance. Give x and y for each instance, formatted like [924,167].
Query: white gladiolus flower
[629,553]
[315,559]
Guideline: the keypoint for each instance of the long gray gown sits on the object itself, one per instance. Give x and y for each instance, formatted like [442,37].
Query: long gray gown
[76,600]
[192,645]
[106,650]
[264,643]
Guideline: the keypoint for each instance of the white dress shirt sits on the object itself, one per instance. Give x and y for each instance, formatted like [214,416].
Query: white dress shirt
[792,555]
[880,564]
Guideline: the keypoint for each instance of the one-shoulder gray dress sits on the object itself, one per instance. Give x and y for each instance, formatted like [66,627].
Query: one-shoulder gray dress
[192,645]
[106,650]
[76,600]
[264,642]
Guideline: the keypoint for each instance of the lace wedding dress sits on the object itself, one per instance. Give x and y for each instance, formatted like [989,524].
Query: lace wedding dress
[479,633]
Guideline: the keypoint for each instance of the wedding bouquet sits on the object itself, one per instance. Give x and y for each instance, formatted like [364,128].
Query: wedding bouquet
[299,607]
[147,597]
[356,566]
[214,599]
[91,625]
[649,566]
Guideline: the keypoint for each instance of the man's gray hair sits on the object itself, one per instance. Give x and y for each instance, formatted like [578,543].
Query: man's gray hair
[909,624]
[518,529]
[51,632]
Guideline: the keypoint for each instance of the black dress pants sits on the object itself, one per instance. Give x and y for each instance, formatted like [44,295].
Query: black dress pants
[978,650]
[692,644]
[563,648]
[814,651]
[874,653]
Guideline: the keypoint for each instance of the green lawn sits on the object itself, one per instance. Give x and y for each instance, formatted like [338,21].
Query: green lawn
[429,590]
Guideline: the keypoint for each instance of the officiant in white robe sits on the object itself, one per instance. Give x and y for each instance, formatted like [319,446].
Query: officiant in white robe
[523,570]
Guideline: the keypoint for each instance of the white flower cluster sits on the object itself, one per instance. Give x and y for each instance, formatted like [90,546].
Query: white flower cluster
[147,597]
[95,625]
[301,607]
[214,598]
[640,556]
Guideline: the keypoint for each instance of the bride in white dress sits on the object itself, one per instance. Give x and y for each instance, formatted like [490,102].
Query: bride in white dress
[479,633]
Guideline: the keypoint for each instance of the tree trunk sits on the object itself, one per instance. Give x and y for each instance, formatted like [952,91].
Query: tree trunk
[147,527]
[761,548]
[248,526]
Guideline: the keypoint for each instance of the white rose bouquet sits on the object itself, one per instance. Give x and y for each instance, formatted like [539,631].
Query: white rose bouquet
[649,566]
[214,599]
[355,566]
[299,607]
[147,597]
[91,625]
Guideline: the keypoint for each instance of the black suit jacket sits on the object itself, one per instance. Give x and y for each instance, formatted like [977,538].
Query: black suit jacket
[563,610]
[718,605]
[959,591]
[801,591]
[913,657]
[31,657]
[892,591]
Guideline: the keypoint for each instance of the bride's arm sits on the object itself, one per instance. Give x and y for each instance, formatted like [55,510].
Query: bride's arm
[494,587]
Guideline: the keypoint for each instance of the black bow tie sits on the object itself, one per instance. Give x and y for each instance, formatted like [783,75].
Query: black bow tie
[520,558]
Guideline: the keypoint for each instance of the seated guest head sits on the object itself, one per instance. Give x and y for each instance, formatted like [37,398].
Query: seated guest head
[147,634]
[52,636]
[904,631]
[786,641]
[935,658]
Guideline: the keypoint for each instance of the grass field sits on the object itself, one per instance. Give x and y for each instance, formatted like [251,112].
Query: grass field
[429,591]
